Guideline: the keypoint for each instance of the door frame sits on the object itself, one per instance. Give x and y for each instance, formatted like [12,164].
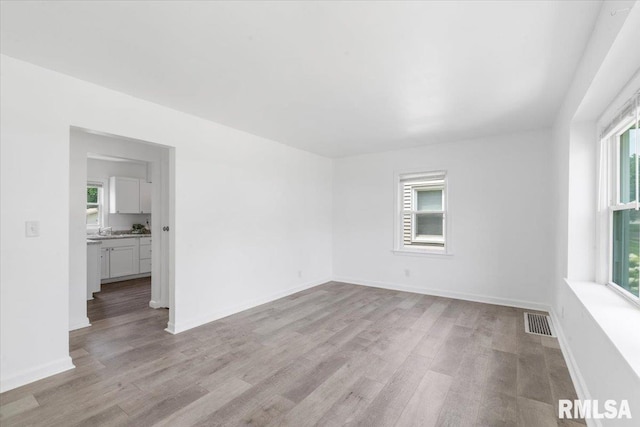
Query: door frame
[162,165]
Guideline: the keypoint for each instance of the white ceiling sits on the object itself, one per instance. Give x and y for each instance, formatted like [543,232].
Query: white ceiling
[335,78]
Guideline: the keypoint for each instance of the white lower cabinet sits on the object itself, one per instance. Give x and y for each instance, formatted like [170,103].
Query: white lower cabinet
[145,266]
[122,261]
[93,269]
[120,257]
[145,255]
[104,262]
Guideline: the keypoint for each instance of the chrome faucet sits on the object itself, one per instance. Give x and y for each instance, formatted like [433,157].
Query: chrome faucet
[105,231]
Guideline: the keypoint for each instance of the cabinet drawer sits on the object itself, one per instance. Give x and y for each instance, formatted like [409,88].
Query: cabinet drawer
[145,252]
[145,241]
[116,243]
[145,266]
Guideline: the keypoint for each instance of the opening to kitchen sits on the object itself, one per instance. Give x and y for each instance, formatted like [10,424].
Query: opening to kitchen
[120,230]
[118,220]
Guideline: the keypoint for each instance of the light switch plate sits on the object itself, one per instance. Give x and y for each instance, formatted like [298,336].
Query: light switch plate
[32,228]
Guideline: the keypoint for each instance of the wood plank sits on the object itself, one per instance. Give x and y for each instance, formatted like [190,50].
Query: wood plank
[17,407]
[387,407]
[203,407]
[534,413]
[497,410]
[336,354]
[423,409]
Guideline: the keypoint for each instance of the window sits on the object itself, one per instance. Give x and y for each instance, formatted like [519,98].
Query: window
[623,147]
[422,212]
[94,205]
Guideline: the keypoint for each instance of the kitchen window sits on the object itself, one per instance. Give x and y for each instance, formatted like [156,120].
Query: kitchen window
[95,205]
[422,213]
[621,148]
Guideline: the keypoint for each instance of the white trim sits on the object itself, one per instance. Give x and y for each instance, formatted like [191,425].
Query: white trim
[609,199]
[615,317]
[401,177]
[447,294]
[171,328]
[624,293]
[417,173]
[37,373]
[219,314]
[422,252]
[123,278]
[158,304]
[623,207]
[82,324]
[574,372]
[102,203]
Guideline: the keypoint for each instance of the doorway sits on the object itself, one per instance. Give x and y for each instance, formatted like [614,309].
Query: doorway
[121,227]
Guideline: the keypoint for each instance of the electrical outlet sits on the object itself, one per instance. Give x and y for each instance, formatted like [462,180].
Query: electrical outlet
[407,272]
[300,273]
[32,228]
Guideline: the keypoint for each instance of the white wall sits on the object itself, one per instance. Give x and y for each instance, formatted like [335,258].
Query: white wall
[101,170]
[583,173]
[499,211]
[599,369]
[249,213]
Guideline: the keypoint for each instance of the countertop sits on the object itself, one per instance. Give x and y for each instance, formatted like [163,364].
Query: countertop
[93,242]
[97,239]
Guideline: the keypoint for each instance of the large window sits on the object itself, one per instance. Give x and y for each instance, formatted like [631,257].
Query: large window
[422,212]
[623,147]
[95,206]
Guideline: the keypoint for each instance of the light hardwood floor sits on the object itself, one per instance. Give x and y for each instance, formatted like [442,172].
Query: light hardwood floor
[335,354]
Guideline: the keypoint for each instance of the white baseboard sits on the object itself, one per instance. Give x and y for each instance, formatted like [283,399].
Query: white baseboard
[84,323]
[574,371]
[122,278]
[447,294]
[157,304]
[35,374]
[171,328]
[189,324]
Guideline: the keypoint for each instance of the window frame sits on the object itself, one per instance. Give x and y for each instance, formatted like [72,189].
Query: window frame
[424,238]
[399,246]
[101,205]
[612,176]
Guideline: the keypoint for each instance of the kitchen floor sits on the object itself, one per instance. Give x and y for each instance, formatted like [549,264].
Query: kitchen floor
[118,298]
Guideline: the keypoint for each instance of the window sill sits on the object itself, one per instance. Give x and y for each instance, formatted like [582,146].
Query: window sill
[423,252]
[616,315]
[622,293]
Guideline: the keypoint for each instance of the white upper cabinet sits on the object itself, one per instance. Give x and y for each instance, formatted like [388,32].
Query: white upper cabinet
[145,196]
[129,195]
[124,195]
